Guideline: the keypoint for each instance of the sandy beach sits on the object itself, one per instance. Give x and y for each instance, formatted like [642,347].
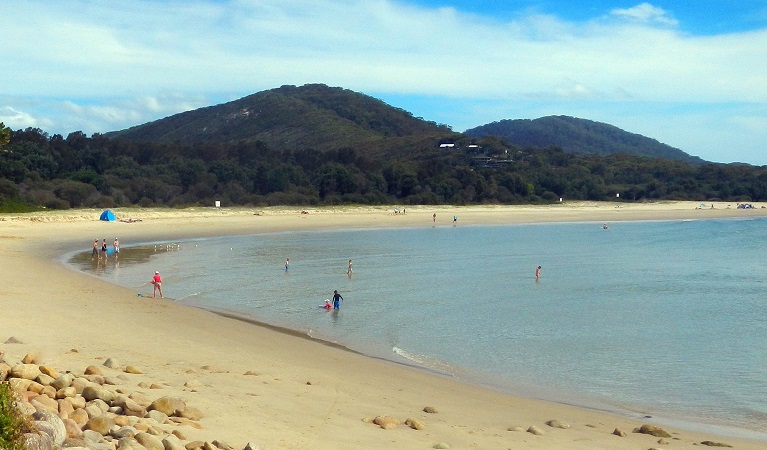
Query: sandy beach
[279,390]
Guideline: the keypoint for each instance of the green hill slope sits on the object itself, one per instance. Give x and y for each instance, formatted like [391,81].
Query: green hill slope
[311,116]
[579,136]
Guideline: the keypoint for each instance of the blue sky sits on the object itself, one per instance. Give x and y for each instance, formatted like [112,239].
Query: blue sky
[691,74]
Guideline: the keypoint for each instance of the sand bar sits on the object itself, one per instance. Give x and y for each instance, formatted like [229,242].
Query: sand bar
[298,393]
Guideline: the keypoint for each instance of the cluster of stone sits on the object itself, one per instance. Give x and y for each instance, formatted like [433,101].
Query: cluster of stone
[90,411]
[389,423]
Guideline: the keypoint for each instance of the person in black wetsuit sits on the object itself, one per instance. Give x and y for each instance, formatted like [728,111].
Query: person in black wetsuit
[337,300]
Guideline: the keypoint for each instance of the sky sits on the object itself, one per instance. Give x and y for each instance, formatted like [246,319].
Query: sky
[690,73]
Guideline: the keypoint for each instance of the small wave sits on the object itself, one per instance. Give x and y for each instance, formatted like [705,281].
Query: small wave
[428,362]
[193,294]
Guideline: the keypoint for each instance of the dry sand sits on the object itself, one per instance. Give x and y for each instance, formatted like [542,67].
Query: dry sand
[298,393]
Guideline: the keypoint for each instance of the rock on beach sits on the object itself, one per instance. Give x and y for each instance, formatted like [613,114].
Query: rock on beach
[386,422]
[133,370]
[653,431]
[415,424]
[25,371]
[68,411]
[170,406]
[557,424]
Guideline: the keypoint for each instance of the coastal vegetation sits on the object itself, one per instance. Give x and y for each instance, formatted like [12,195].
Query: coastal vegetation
[80,171]
[317,145]
[13,424]
[5,134]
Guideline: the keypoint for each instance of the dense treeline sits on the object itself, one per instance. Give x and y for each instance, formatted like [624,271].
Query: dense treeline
[80,171]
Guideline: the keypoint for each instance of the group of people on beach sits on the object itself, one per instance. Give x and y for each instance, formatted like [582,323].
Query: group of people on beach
[100,252]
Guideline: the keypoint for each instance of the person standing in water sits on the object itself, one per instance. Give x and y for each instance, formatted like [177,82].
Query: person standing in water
[349,270]
[104,248]
[157,282]
[116,247]
[337,300]
[537,273]
[95,251]
[287,264]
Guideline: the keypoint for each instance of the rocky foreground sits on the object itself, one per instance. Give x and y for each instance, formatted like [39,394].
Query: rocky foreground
[91,410]
[98,411]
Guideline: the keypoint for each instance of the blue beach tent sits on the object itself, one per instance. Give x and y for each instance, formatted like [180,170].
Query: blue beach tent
[108,215]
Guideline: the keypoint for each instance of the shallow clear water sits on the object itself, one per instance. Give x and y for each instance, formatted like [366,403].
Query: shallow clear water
[663,318]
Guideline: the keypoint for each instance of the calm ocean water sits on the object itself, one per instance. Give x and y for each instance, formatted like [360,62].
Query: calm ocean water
[665,318]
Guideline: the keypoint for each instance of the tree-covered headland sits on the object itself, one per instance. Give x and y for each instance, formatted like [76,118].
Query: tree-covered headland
[316,145]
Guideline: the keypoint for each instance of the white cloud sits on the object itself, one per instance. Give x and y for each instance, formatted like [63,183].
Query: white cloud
[646,13]
[116,113]
[167,102]
[16,119]
[247,45]
[125,57]
[101,113]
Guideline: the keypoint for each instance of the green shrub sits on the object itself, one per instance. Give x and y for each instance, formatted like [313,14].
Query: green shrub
[16,206]
[12,424]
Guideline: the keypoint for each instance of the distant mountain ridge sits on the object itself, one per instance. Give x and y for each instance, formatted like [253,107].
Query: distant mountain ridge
[320,117]
[572,134]
[289,117]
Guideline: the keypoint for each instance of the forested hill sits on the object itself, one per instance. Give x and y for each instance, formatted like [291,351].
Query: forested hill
[326,118]
[576,135]
[319,145]
[286,118]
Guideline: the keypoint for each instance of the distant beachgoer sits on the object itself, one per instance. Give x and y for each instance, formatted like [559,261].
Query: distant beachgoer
[327,304]
[157,282]
[287,263]
[337,300]
[95,251]
[104,248]
[116,247]
[349,270]
[455,219]
[434,217]
[537,273]
[604,226]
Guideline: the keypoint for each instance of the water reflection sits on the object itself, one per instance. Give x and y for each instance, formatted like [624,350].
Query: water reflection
[128,255]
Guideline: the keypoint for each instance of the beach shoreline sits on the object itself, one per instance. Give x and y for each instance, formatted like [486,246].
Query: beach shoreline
[48,300]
